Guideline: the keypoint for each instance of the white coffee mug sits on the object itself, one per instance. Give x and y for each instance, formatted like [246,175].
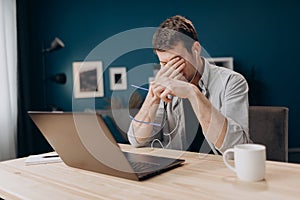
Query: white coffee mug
[249,160]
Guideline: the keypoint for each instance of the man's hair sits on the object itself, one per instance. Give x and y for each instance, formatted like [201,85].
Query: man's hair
[173,30]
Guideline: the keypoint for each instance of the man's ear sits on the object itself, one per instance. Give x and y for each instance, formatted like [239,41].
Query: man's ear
[197,47]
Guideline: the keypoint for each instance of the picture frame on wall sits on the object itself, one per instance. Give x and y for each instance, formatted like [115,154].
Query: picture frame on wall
[88,79]
[226,62]
[118,78]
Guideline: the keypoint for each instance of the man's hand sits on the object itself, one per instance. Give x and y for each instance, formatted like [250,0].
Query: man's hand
[171,71]
[173,87]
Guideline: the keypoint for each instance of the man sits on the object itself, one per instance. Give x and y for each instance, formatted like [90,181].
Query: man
[217,97]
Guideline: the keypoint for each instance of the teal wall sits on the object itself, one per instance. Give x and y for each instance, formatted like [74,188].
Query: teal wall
[262,36]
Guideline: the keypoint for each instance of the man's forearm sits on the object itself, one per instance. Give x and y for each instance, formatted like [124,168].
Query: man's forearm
[213,123]
[142,131]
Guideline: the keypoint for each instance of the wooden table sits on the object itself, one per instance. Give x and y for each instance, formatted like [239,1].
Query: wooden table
[201,177]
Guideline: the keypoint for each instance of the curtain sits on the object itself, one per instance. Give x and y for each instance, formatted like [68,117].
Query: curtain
[8,79]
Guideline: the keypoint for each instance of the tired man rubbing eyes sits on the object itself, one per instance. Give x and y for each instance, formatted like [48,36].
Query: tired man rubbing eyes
[191,100]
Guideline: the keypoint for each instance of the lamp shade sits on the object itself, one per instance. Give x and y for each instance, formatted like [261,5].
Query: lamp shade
[56,44]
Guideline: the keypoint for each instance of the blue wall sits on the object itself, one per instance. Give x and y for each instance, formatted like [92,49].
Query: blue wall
[262,36]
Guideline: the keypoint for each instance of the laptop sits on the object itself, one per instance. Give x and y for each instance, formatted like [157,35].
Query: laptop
[82,140]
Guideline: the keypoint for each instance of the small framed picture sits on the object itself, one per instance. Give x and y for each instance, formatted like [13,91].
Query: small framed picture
[88,79]
[118,78]
[226,62]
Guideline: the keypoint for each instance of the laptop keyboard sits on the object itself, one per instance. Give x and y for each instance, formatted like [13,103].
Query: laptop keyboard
[143,166]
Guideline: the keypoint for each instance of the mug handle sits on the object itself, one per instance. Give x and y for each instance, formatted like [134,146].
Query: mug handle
[226,160]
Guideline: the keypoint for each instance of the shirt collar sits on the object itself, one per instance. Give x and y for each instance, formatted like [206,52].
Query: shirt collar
[204,77]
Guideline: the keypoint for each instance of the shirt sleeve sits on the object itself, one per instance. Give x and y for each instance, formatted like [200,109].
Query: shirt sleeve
[236,110]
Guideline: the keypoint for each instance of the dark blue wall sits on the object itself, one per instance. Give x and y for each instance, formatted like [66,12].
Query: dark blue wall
[262,36]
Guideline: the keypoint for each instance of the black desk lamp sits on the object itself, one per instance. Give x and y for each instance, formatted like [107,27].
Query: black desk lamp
[59,78]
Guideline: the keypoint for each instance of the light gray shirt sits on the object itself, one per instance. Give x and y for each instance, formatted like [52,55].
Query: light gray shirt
[228,93]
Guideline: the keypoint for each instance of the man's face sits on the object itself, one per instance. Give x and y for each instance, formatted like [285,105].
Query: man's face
[179,51]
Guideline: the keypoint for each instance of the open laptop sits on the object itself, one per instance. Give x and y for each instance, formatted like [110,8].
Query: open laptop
[82,140]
